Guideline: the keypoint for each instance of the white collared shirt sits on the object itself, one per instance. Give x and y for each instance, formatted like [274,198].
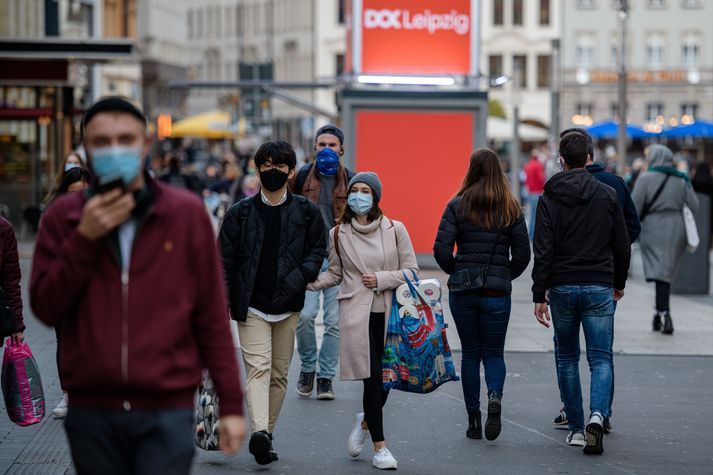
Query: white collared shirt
[267,202]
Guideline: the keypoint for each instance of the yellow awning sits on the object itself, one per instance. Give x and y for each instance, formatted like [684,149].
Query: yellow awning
[209,125]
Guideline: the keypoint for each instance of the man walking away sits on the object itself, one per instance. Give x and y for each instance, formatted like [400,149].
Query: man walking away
[325,184]
[273,245]
[633,227]
[129,275]
[582,255]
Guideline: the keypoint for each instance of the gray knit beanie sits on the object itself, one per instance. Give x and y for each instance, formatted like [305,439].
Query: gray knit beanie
[368,178]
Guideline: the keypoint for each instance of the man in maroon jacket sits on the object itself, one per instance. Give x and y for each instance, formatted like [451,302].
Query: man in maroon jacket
[130,275]
[10,276]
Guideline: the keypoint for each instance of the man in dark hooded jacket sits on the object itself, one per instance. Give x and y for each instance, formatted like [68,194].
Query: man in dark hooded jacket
[582,255]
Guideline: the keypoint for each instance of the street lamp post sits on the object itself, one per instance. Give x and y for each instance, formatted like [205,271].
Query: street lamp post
[515,150]
[623,33]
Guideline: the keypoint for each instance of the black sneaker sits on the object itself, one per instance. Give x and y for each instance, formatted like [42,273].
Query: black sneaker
[561,419]
[324,389]
[305,384]
[260,447]
[594,435]
[607,425]
[273,454]
[492,423]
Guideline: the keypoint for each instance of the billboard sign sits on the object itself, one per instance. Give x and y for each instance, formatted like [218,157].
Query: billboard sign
[413,37]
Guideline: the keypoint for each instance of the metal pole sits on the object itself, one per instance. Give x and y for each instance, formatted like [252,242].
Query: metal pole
[555,94]
[623,33]
[515,151]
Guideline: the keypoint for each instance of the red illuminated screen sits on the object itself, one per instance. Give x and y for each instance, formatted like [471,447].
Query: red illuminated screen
[416,36]
[421,158]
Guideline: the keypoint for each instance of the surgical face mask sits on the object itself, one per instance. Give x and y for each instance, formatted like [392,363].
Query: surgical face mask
[273,179]
[328,162]
[69,166]
[360,203]
[119,162]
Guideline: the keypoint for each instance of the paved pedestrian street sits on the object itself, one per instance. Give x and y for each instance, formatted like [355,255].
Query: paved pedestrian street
[662,408]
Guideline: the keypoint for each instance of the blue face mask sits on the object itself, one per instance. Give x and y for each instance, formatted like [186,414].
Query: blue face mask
[69,166]
[328,162]
[110,163]
[360,203]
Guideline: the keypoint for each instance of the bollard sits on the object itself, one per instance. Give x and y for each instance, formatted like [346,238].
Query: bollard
[694,272]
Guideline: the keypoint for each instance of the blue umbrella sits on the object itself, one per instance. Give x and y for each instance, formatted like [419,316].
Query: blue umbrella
[610,130]
[699,128]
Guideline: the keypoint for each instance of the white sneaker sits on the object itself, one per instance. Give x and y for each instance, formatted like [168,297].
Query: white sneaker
[60,411]
[384,460]
[576,438]
[357,437]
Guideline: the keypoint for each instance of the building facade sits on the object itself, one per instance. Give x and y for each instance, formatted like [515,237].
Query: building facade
[516,39]
[669,61]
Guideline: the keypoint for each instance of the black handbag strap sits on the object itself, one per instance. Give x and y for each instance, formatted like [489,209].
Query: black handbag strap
[647,206]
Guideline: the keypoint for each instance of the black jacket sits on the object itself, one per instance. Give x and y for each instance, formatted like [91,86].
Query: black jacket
[580,235]
[512,251]
[631,216]
[301,252]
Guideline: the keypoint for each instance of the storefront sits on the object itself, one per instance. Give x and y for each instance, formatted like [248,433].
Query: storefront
[44,88]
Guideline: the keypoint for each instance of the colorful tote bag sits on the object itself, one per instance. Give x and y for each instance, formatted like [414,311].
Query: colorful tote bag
[22,385]
[417,357]
[207,416]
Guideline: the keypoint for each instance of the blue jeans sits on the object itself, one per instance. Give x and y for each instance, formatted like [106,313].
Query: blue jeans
[592,306]
[557,362]
[532,199]
[482,324]
[307,339]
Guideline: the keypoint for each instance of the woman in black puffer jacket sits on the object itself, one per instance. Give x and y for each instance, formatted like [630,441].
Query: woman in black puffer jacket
[486,222]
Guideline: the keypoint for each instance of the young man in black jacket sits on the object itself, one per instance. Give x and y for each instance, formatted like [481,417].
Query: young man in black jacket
[582,255]
[273,245]
[633,227]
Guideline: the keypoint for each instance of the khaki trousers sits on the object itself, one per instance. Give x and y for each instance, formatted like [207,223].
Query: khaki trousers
[267,352]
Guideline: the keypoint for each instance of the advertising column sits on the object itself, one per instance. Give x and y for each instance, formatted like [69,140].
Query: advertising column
[412,113]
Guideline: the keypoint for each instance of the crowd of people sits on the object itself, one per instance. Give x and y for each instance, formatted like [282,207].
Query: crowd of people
[300,237]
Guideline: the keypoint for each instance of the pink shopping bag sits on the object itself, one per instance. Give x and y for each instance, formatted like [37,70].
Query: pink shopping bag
[21,385]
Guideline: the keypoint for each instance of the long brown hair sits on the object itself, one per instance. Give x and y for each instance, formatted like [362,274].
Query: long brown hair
[487,201]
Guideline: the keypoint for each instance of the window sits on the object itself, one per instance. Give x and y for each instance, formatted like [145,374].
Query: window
[239,20]
[585,51]
[689,109]
[544,70]
[498,12]
[342,12]
[655,51]
[495,65]
[544,12]
[199,26]
[340,64]
[656,3]
[614,110]
[691,3]
[517,12]
[653,111]
[584,108]
[691,50]
[614,49]
[189,25]
[519,68]
[586,4]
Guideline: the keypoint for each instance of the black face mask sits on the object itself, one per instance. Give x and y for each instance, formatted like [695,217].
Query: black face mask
[273,180]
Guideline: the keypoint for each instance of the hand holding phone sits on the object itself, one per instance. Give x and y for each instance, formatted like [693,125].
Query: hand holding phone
[104,212]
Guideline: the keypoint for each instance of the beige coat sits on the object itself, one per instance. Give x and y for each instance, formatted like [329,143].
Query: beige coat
[354,298]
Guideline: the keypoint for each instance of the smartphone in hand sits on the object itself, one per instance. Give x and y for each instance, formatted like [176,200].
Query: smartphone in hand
[111,185]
